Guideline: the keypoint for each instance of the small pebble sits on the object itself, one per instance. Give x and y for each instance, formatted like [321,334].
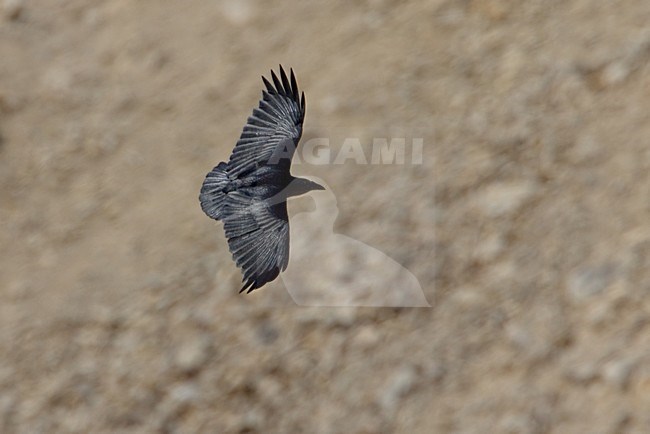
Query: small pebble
[12,9]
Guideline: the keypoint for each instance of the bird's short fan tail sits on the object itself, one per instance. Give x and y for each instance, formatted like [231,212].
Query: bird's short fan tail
[212,196]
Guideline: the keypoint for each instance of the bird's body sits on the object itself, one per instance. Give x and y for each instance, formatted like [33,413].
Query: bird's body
[249,192]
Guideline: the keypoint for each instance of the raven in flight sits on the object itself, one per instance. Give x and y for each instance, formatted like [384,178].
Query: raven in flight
[249,193]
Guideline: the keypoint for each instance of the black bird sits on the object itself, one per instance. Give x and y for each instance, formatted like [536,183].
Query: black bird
[249,193]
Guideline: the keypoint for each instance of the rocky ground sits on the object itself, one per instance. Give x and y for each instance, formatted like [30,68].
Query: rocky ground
[527,223]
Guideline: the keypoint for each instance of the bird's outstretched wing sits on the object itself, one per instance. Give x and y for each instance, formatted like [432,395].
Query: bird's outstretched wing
[258,238]
[273,130]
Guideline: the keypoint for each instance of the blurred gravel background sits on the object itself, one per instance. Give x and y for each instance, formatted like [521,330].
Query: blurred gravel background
[528,223]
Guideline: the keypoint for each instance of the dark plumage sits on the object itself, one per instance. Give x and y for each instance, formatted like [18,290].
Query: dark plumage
[248,194]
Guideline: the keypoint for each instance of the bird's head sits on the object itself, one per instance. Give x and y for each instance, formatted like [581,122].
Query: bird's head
[299,186]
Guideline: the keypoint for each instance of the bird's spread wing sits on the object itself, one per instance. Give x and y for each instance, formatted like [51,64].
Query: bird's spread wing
[258,238]
[273,130]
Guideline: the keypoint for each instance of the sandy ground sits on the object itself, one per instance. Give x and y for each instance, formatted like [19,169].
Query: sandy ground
[527,223]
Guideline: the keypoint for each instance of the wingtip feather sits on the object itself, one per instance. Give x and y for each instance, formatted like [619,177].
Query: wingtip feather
[294,86]
[269,87]
[276,82]
[286,86]
[246,286]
